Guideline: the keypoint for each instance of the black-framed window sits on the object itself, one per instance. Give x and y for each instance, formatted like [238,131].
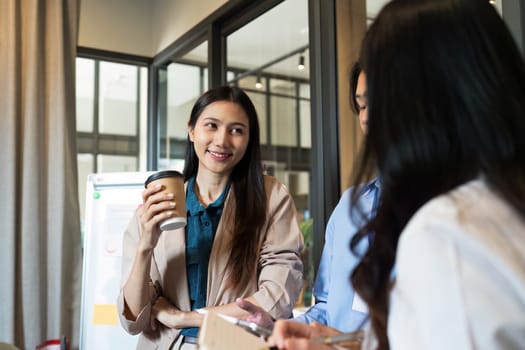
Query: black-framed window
[111,113]
[216,52]
[316,149]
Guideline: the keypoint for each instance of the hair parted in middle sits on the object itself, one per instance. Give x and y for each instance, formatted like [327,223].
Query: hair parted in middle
[247,184]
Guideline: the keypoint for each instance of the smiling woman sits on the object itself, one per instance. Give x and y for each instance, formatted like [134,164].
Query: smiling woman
[241,240]
[220,138]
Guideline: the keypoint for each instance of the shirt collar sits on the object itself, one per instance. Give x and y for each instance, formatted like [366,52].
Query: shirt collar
[373,185]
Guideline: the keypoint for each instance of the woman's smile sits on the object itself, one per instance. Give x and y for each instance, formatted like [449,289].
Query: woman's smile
[219,156]
[220,137]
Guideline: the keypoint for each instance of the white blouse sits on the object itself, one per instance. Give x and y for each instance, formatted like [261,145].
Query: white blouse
[460,275]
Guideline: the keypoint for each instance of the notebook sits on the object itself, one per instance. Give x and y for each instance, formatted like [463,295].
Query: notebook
[216,333]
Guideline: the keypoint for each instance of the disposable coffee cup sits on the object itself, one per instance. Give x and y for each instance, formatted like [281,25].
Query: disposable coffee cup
[173,182]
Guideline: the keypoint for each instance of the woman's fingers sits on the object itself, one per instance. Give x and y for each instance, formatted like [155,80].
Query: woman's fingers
[156,202]
[151,190]
[284,330]
[158,212]
[321,330]
[256,313]
[157,206]
[293,335]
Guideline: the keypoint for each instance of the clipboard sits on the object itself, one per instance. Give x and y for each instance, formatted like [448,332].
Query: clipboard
[218,334]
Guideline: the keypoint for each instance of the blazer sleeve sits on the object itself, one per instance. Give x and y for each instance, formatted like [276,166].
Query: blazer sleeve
[280,277]
[130,242]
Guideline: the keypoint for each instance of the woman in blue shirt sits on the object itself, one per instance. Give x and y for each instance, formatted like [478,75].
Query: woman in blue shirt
[336,303]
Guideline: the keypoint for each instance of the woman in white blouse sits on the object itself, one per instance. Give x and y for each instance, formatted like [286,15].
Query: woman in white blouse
[446,132]
[446,98]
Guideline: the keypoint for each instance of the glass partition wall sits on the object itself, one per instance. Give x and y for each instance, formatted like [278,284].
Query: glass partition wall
[268,58]
[184,80]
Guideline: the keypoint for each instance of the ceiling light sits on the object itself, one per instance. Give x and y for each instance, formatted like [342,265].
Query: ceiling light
[258,83]
[300,66]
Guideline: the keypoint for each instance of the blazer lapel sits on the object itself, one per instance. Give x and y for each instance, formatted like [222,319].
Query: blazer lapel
[220,253]
[170,255]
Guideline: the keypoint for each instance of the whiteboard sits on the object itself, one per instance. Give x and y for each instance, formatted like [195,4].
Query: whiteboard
[111,199]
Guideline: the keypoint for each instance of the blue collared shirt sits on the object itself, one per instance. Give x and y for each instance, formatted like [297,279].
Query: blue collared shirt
[337,305]
[200,232]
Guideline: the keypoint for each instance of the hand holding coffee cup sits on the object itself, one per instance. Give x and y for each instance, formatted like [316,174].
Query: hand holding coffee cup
[173,182]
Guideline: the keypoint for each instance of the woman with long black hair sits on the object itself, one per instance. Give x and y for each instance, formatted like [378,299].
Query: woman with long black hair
[446,133]
[242,238]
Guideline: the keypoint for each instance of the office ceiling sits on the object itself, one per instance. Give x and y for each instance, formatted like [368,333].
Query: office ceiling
[278,32]
[273,35]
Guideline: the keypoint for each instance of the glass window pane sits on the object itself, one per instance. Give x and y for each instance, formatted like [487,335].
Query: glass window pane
[118,99]
[282,87]
[259,101]
[143,119]
[122,99]
[205,79]
[185,80]
[85,86]
[172,164]
[183,89]
[305,127]
[111,163]
[252,82]
[283,121]
[304,90]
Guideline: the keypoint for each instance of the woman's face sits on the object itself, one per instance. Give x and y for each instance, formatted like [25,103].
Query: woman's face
[220,137]
[360,97]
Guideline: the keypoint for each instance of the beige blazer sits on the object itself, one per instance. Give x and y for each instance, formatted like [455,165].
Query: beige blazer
[275,284]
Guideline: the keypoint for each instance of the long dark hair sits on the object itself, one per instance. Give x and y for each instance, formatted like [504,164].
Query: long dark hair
[247,184]
[446,99]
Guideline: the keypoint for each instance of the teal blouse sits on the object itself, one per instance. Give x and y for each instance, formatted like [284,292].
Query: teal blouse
[201,226]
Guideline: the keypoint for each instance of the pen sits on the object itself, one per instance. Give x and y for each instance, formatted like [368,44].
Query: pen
[250,326]
[254,328]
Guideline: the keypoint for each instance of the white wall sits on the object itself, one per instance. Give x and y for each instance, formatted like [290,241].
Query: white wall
[117,25]
[139,27]
[175,17]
